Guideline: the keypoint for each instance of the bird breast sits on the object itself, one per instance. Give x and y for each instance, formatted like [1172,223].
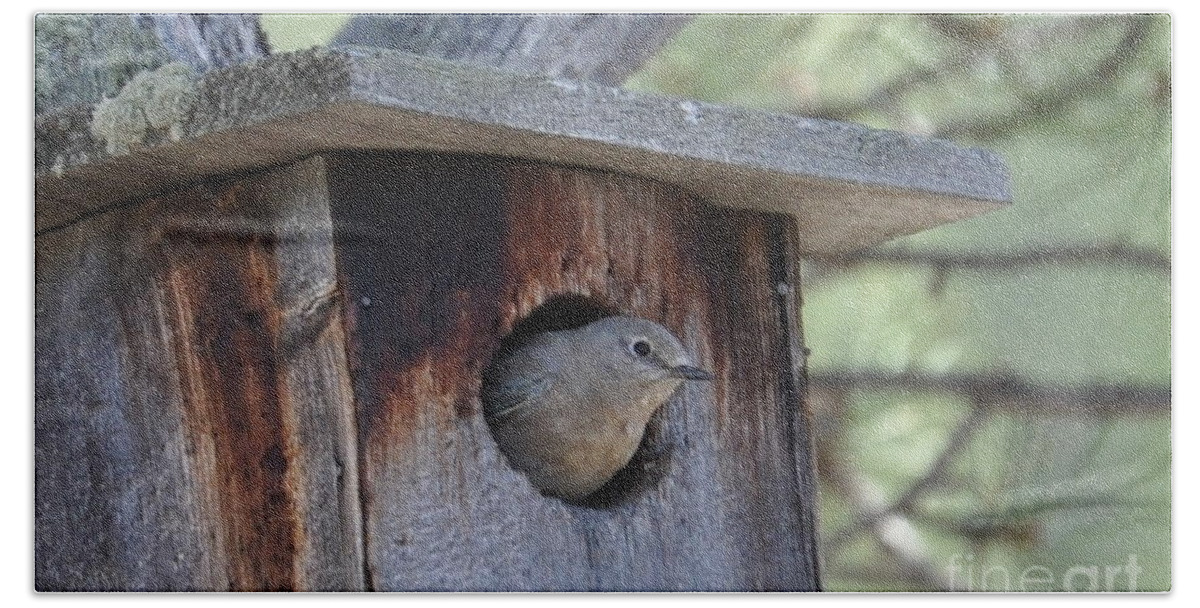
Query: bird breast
[570,450]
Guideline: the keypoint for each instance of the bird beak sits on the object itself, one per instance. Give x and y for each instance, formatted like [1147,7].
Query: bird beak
[688,372]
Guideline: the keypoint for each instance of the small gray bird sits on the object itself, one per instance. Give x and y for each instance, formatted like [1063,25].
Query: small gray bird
[568,408]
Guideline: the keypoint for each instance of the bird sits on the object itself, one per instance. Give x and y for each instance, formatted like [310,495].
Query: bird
[568,408]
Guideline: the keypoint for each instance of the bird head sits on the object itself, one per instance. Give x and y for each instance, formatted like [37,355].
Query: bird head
[643,350]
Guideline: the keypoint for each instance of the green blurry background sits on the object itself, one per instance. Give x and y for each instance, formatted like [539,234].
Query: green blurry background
[992,396]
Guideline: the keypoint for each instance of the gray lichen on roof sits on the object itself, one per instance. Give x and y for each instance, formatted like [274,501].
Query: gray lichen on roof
[152,106]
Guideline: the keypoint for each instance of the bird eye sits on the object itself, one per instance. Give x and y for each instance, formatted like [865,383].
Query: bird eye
[641,348]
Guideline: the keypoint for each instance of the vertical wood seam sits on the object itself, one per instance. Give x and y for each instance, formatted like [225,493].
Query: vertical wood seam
[352,352]
[783,263]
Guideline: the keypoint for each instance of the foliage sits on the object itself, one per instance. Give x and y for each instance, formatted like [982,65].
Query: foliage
[296,32]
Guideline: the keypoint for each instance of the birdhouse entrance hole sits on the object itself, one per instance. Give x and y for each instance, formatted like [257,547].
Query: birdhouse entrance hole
[652,459]
[563,311]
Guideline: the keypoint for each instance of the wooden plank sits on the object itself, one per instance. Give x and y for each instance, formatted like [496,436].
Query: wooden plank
[729,497]
[848,185]
[220,319]
[116,503]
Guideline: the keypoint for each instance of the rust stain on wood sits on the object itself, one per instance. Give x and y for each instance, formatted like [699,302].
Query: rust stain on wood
[417,255]
[608,237]
[442,256]
[229,329]
[248,271]
[417,260]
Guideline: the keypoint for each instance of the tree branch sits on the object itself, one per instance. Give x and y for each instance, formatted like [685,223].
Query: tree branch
[959,439]
[604,48]
[1053,100]
[1114,254]
[208,42]
[1010,393]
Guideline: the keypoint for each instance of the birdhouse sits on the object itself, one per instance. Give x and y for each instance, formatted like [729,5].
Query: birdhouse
[263,307]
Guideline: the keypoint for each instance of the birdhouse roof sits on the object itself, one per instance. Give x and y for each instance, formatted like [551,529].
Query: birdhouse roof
[849,186]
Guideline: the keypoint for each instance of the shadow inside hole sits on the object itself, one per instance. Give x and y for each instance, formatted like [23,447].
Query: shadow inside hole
[652,460]
[565,311]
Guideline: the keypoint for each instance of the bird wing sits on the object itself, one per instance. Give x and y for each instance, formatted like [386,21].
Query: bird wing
[507,397]
[521,378]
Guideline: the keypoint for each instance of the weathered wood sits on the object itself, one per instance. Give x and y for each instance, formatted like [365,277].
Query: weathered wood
[81,59]
[484,243]
[194,424]
[601,48]
[194,412]
[849,186]
[115,499]
[207,42]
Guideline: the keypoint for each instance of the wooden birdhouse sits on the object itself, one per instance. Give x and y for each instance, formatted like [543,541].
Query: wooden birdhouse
[263,308]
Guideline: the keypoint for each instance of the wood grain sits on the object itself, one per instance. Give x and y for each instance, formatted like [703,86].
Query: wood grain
[272,382]
[484,243]
[202,328]
[601,48]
